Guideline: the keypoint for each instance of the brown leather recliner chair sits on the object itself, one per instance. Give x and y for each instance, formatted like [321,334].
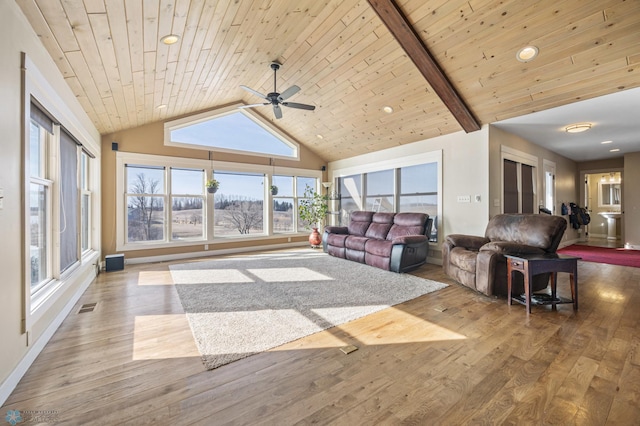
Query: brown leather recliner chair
[479,262]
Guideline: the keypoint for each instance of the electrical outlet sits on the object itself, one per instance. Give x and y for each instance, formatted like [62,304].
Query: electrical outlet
[206,246]
[464,198]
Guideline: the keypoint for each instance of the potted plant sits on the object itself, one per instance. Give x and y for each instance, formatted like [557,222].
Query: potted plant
[313,209]
[212,186]
[273,189]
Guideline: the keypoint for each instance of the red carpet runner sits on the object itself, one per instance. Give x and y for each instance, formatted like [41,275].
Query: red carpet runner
[612,256]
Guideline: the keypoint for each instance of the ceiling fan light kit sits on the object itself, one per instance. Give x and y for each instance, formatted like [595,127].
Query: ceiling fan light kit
[276,99]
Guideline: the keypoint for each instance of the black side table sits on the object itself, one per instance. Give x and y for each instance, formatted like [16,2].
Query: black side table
[534,264]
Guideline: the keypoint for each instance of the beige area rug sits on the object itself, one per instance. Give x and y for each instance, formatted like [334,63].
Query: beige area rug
[244,305]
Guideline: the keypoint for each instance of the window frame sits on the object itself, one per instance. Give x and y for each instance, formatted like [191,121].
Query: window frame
[36,89]
[395,163]
[230,109]
[123,158]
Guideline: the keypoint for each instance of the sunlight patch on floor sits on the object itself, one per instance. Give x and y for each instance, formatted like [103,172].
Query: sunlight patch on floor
[288,275]
[163,337]
[155,278]
[209,276]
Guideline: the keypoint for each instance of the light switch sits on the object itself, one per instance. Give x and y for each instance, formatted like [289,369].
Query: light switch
[1,198]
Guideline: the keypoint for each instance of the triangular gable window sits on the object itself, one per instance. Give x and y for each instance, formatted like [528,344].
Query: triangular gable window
[230,130]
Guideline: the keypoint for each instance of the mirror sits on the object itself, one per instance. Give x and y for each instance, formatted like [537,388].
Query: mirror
[609,194]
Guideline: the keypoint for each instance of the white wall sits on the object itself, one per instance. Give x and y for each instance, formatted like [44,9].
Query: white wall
[16,352]
[465,160]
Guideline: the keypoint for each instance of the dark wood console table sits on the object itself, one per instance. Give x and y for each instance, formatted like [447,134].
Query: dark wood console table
[534,264]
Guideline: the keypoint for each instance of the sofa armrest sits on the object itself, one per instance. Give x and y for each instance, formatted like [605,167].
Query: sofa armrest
[507,247]
[467,241]
[411,239]
[336,230]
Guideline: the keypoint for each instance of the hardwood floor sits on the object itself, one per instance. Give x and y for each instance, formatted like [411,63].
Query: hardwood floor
[449,357]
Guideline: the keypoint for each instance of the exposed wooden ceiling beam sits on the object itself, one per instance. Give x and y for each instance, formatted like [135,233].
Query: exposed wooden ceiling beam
[399,26]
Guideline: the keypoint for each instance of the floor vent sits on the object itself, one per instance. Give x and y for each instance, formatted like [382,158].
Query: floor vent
[87,307]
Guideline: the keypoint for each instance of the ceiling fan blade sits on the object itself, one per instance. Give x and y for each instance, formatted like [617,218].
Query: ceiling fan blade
[250,90]
[299,106]
[277,111]
[253,105]
[288,93]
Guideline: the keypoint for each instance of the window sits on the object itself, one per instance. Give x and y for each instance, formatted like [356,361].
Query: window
[242,208]
[380,189]
[68,184]
[145,203]
[413,188]
[187,204]
[350,196]
[231,130]
[284,215]
[40,204]
[85,204]
[238,208]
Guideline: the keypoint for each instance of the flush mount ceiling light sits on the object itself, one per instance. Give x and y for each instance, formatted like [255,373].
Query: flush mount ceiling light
[320,136]
[614,150]
[387,109]
[163,106]
[527,53]
[578,128]
[170,39]
[606,142]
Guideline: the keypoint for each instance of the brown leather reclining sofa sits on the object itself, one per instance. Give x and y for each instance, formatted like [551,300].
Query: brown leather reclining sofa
[479,262]
[395,242]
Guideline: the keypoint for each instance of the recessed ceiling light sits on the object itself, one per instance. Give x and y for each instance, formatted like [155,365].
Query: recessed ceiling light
[161,106]
[387,109]
[320,136]
[577,128]
[606,142]
[527,53]
[170,39]
[614,150]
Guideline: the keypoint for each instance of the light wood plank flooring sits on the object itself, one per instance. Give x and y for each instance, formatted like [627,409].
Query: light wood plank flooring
[133,361]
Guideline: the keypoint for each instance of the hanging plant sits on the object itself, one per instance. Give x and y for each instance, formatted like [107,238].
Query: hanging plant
[212,186]
[274,190]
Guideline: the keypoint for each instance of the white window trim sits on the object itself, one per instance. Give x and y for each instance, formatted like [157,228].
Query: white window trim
[395,163]
[124,158]
[205,116]
[36,85]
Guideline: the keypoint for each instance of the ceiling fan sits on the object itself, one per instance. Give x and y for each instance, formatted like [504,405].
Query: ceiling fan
[276,99]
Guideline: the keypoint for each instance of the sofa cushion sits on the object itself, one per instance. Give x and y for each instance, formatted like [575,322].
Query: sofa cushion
[463,259]
[380,225]
[407,224]
[355,242]
[359,222]
[379,247]
[337,240]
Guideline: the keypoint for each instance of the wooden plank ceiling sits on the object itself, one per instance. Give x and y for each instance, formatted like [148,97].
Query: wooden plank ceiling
[342,56]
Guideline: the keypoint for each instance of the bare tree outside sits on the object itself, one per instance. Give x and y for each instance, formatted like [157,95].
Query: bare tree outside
[242,213]
[144,209]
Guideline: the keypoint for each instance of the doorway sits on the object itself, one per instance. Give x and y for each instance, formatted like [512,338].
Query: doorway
[602,195]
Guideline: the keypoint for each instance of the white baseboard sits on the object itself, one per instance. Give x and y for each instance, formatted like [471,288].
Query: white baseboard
[631,246]
[34,350]
[191,255]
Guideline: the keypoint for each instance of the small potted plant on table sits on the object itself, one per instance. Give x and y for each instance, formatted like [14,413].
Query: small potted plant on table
[313,209]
